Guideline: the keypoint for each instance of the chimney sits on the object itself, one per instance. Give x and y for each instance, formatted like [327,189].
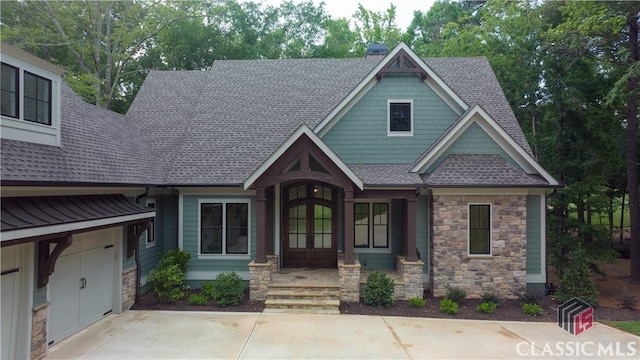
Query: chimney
[377,50]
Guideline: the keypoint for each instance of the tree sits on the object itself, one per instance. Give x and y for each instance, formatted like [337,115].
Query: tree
[376,27]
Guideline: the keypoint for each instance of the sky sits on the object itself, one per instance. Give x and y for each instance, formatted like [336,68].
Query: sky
[346,8]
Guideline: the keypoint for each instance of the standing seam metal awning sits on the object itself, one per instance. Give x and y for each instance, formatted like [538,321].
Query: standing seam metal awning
[25,217]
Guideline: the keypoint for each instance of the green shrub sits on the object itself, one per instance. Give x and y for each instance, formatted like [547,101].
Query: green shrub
[228,289]
[531,296]
[416,302]
[577,280]
[207,289]
[176,257]
[455,293]
[532,309]
[198,299]
[628,298]
[448,306]
[379,290]
[490,297]
[168,283]
[487,307]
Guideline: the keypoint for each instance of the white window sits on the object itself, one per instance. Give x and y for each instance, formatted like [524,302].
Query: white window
[223,227]
[371,225]
[400,117]
[149,235]
[479,229]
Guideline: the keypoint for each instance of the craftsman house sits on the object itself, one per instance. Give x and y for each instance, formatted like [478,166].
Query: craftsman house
[388,162]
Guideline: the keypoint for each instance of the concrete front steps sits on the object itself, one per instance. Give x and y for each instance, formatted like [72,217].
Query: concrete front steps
[300,298]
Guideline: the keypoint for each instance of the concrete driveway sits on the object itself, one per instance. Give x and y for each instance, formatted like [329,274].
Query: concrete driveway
[219,335]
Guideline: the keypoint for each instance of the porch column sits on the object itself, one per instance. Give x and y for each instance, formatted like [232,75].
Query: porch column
[410,241]
[261,225]
[349,258]
[269,220]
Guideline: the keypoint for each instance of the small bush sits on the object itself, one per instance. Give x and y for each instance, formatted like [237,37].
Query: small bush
[175,257]
[198,299]
[577,280]
[490,297]
[628,298]
[531,296]
[455,293]
[168,283]
[532,309]
[448,306]
[228,289]
[207,289]
[379,290]
[416,302]
[487,307]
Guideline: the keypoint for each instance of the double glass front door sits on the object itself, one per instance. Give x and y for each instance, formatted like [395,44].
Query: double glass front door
[309,226]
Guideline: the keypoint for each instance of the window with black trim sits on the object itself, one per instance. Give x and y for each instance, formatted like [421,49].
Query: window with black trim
[479,229]
[400,117]
[224,228]
[37,99]
[371,225]
[150,234]
[10,91]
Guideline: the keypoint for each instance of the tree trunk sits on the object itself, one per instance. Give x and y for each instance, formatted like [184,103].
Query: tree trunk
[632,149]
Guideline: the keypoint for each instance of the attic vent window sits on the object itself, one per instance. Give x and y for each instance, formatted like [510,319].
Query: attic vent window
[400,118]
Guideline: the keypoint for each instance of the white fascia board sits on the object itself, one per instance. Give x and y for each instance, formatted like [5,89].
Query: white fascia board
[433,81]
[62,228]
[303,129]
[496,132]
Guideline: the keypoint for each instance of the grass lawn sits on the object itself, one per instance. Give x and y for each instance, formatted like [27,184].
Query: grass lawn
[632,327]
[604,218]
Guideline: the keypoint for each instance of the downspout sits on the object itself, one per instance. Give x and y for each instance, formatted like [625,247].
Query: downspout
[137,258]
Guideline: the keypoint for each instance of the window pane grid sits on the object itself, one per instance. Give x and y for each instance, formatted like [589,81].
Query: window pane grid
[361,212]
[371,225]
[479,229]
[9,90]
[237,228]
[37,99]
[224,228]
[380,225]
[400,116]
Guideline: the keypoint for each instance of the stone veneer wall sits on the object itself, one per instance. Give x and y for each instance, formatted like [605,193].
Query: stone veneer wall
[39,331]
[129,288]
[503,272]
[349,281]
[411,274]
[259,279]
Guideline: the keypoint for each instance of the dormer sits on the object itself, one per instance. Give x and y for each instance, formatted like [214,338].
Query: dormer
[31,88]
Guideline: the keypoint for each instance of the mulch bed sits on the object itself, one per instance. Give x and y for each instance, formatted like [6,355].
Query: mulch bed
[508,310]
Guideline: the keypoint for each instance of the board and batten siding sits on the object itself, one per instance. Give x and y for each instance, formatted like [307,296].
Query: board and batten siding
[360,136]
[535,248]
[474,140]
[202,269]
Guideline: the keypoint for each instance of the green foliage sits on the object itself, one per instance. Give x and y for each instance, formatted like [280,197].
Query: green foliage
[531,296]
[577,280]
[487,307]
[379,290]
[632,327]
[490,297]
[416,302]
[198,299]
[455,293]
[228,289]
[168,282]
[532,309]
[448,306]
[168,277]
[208,289]
[628,298]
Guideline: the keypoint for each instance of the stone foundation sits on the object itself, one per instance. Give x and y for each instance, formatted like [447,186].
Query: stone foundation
[259,279]
[411,275]
[504,271]
[129,288]
[349,281]
[39,331]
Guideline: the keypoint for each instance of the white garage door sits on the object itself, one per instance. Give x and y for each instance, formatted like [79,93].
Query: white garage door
[81,288]
[15,302]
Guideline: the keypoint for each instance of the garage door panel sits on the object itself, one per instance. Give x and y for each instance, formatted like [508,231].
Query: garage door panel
[96,296]
[65,297]
[10,290]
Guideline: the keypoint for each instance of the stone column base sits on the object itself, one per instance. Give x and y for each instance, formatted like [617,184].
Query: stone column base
[259,279]
[349,281]
[39,331]
[273,259]
[129,288]
[411,273]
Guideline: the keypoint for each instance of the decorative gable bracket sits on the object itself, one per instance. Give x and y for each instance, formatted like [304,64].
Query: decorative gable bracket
[46,260]
[402,63]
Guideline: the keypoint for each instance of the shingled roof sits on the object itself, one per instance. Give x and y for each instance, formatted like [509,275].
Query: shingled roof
[216,127]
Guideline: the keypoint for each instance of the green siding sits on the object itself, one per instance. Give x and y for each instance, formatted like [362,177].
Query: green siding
[534,238]
[474,140]
[191,242]
[361,135]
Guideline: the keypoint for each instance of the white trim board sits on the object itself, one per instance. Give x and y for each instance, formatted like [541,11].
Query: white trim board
[303,129]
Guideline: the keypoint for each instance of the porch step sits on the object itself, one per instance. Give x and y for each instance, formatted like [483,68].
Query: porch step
[307,298]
